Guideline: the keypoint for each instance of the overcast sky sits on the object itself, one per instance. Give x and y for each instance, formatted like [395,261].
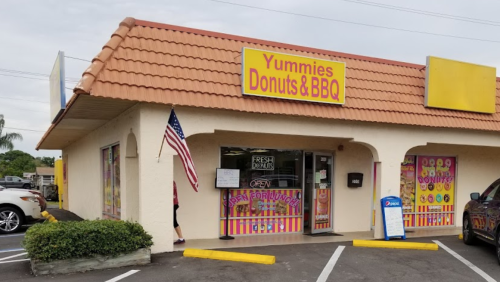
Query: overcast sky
[34,31]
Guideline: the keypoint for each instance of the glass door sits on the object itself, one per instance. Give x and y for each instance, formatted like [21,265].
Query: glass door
[322,193]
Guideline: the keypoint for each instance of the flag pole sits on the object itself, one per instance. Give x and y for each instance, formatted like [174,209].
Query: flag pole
[163,138]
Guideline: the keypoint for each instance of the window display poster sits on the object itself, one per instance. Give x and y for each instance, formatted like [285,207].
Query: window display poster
[435,193]
[116,181]
[262,202]
[407,184]
[322,213]
[247,226]
[108,195]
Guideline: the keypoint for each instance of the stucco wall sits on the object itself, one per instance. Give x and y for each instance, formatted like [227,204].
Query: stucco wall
[85,195]
[210,129]
[199,212]
[477,168]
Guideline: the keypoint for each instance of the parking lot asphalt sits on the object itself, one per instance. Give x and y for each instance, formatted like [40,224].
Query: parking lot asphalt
[293,263]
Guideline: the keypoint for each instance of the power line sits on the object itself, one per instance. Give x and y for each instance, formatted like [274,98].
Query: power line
[356,23]
[426,13]
[25,129]
[34,78]
[33,73]
[79,59]
[9,98]
[23,72]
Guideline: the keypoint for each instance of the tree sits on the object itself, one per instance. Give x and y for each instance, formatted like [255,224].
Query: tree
[7,139]
[15,162]
[48,161]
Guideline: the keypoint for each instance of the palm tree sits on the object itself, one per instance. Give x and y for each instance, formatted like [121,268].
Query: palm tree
[7,139]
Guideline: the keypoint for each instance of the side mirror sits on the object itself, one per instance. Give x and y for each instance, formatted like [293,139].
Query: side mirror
[475,196]
[19,180]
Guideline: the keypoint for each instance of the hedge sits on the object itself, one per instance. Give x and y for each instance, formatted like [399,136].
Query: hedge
[82,239]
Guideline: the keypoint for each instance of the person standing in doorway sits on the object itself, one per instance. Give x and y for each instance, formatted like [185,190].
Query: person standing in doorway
[176,225]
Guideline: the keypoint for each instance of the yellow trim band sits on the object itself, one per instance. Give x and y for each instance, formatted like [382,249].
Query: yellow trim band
[395,245]
[231,256]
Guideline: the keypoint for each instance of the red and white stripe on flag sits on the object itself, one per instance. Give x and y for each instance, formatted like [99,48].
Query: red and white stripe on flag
[175,138]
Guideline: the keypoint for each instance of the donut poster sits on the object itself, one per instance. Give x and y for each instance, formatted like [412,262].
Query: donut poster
[435,192]
[323,209]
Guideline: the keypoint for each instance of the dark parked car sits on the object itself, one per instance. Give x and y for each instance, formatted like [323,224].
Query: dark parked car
[481,218]
[15,182]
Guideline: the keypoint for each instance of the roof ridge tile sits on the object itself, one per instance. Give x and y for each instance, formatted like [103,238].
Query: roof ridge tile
[90,74]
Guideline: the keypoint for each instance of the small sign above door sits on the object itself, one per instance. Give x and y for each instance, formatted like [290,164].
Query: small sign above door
[262,163]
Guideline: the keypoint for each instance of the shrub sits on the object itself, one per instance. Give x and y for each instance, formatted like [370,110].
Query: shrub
[82,239]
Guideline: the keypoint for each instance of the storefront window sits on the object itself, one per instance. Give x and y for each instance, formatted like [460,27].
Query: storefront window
[264,168]
[111,182]
[270,196]
[428,190]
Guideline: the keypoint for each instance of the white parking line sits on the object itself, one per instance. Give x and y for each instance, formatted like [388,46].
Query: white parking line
[466,262]
[2,262]
[331,263]
[126,274]
[14,256]
[12,235]
[11,250]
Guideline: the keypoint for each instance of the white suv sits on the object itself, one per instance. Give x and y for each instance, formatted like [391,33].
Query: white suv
[17,207]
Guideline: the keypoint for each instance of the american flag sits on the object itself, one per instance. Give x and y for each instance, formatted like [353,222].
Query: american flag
[176,140]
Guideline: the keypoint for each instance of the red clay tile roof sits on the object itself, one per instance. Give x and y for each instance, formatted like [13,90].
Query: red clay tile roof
[158,63]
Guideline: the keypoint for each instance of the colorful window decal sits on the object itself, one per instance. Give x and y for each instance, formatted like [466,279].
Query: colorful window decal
[322,214]
[280,210]
[111,182]
[428,190]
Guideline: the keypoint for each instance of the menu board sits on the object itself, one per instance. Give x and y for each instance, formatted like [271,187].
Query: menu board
[392,215]
[227,178]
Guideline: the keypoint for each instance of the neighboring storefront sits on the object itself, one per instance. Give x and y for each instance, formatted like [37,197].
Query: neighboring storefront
[318,137]
[428,190]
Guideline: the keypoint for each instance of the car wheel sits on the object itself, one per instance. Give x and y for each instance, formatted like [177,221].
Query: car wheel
[26,186]
[11,219]
[468,234]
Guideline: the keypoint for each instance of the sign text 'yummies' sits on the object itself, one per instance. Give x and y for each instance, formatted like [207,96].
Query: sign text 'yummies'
[284,76]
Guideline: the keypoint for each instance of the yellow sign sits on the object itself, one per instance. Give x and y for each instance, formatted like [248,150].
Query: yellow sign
[283,76]
[460,86]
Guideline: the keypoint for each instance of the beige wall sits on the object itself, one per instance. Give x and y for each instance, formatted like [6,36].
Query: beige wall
[199,212]
[85,192]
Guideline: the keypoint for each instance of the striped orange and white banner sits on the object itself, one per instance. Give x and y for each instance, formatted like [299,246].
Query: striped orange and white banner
[247,226]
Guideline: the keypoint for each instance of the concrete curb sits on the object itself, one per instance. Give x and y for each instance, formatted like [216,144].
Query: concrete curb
[395,245]
[230,256]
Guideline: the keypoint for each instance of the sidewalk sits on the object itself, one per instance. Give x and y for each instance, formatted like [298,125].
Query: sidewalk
[63,215]
[293,239]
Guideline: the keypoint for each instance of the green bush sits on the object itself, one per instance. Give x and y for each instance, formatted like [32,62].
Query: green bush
[82,239]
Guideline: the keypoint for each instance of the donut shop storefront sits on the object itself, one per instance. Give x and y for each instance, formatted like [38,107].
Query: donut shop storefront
[318,136]
[282,191]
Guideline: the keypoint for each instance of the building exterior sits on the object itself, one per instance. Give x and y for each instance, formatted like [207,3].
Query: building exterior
[43,180]
[294,156]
